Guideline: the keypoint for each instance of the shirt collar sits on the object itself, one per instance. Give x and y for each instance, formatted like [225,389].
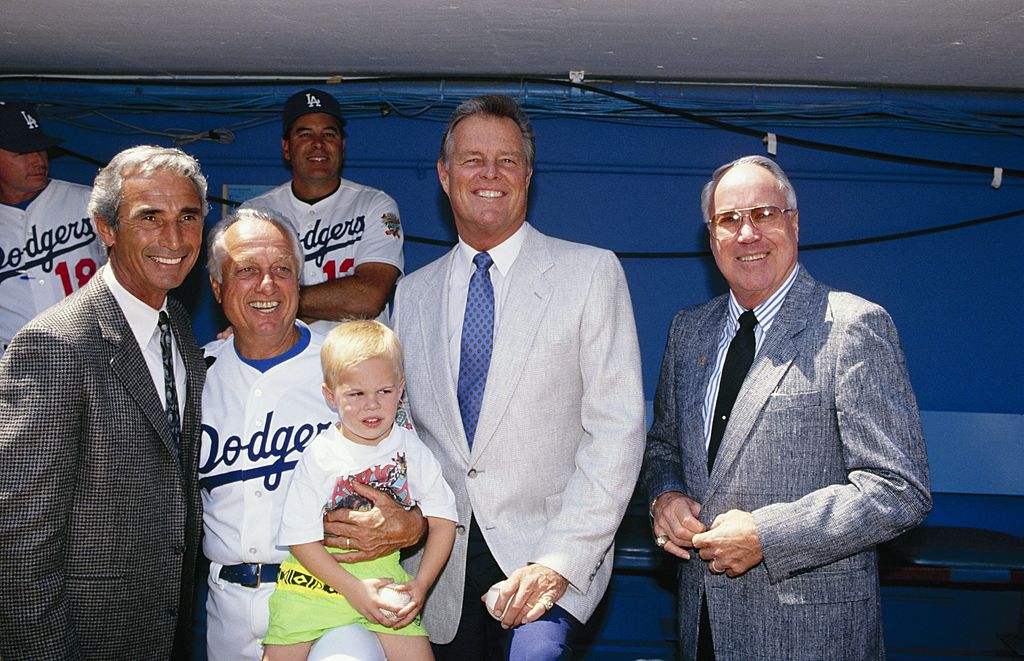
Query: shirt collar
[768,309]
[142,319]
[504,254]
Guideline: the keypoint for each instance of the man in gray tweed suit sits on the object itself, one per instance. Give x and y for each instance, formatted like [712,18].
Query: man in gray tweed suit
[775,492]
[100,516]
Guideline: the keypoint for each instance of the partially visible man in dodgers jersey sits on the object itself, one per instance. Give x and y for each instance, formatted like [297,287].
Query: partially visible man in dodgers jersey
[350,233]
[48,246]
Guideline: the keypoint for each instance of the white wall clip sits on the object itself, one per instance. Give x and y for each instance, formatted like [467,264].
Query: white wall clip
[773,144]
[576,76]
[997,177]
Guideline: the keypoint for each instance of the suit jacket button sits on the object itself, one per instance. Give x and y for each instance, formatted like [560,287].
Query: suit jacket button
[460,529]
[471,473]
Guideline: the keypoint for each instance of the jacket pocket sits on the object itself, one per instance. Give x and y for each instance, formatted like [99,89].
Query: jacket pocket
[824,587]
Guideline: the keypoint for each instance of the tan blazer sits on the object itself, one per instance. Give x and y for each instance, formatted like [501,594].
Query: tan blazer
[561,431]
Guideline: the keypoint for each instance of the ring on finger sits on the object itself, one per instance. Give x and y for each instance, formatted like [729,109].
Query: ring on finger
[714,566]
[661,541]
[546,602]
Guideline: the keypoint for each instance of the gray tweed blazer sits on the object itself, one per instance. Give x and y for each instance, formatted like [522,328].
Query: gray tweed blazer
[824,448]
[99,521]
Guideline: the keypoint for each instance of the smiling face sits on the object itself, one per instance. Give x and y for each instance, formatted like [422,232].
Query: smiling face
[158,237]
[487,179]
[22,175]
[366,398]
[754,262]
[259,288]
[315,147]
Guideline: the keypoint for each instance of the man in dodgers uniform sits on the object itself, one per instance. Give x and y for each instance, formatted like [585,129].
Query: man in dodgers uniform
[350,234]
[48,245]
[262,406]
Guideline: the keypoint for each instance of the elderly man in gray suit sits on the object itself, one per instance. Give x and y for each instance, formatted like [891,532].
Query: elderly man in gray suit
[100,516]
[782,478]
[523,374]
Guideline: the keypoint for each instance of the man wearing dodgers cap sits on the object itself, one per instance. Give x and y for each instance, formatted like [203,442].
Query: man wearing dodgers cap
[351,235]
[48,246]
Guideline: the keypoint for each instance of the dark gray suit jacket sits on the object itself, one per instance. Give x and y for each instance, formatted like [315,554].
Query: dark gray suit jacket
[824,448]
[99,522]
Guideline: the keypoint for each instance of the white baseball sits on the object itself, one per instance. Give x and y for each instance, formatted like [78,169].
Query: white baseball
[491,599]
[395,599]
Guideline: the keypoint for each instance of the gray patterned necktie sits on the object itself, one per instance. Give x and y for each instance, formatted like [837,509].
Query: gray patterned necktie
[475,346]
[170,389]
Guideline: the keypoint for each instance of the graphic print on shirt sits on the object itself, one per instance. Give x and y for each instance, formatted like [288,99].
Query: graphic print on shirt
[392,479]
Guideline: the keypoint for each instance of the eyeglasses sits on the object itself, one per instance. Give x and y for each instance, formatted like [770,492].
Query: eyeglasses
[727,223]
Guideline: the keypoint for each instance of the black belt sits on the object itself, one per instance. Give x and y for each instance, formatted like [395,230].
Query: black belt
[249,575]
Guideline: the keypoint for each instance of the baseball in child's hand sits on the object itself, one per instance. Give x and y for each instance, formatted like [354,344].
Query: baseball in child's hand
[395,599]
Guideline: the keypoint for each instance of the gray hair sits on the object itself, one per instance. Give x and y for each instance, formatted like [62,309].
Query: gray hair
[108,187]
[217,252]
[493,105]
[708,193]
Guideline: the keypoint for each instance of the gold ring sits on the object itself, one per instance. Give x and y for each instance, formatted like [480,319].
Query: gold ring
[714,567]
[661,541]
[546,602]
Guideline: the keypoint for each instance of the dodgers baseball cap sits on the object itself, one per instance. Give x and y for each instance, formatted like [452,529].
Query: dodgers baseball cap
[307,102]
[20,130]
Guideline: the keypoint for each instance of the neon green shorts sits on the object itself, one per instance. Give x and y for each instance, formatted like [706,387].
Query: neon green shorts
[303,608]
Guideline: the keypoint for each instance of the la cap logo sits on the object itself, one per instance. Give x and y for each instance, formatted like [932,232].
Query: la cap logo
[30,121]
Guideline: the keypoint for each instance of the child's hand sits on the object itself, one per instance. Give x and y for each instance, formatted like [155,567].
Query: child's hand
[408,613]
[366,599]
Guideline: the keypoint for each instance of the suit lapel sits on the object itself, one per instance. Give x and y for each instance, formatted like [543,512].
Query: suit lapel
[525,305]
[694,372]
[434,329]
[771,364]
[195,376]
[127,363]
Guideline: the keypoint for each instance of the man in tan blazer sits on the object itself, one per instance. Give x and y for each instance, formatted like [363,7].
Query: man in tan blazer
[545,463]
[100,516]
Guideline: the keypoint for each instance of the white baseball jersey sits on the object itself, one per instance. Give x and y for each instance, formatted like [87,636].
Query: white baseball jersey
[400,464]
[255,426]
[47,251]
[355,225]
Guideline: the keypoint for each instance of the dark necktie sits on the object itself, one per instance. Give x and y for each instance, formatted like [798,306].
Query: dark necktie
[475,347]
[737,363]
[170,389]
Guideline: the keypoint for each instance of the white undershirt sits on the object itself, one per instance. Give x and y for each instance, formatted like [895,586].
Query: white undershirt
[462,269]
[143,319]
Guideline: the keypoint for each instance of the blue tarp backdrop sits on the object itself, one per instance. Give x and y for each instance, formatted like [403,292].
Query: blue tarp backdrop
[626,176]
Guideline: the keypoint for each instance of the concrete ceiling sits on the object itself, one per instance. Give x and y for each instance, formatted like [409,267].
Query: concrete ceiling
[918,43]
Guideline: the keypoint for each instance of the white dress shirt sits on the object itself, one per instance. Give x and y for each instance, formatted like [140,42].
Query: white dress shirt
[143,319]
[504,256]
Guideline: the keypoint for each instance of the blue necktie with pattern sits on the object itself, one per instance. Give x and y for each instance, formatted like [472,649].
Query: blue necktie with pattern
[170,389]
[475,348]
